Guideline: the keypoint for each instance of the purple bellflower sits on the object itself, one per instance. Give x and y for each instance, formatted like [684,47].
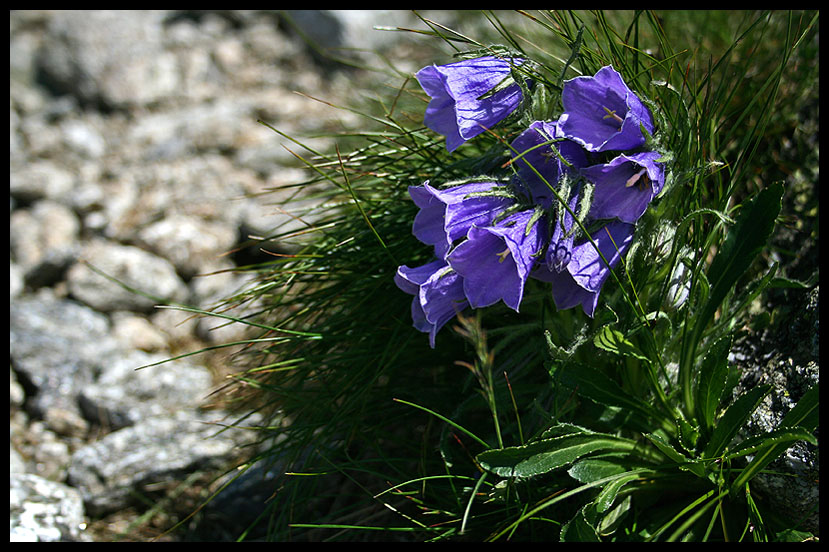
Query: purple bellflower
[580,281]
[560,249]
[540,167]
[625,186]
[602,113]
[438,295]
[461,106]
[496,260]
[447,214]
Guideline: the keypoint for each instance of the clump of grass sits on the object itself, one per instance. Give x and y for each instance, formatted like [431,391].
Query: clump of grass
[547,424]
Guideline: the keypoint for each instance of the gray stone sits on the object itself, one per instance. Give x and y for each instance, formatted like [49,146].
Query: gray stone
[209,126]
[43,241]
[135,331]
[140,271]
[344,33]
[16,462]
[82,137]
[791,366]
[143,126]
[56,346]
[16,282]
[140,385]
[40,179]
[207,186]
[16,393]
[43,511]
[190,243]
[115,58]
[155,451]
[45,453]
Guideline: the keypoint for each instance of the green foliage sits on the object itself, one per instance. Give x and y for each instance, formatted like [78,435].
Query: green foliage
[543,425]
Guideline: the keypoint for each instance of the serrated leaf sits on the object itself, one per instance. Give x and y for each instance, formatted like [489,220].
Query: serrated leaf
[675,456]
[579,529]
[611,520]
[742,244]
[589,470]
[547,455]
[607,496]
[688,434]
[596,386]
[733,419]
[793,535]
[614,341]
[564,428]
[785,436]
[745,239]
[711,382]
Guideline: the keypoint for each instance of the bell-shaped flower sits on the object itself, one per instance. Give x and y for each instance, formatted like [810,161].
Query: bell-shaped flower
[625,186]
[560,249]
[539,167]
[496,260]
[438,295]
[464,99]
[447,214]
[602,113]
[581,280]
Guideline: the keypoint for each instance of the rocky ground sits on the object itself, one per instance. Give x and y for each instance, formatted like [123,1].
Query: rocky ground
[135,151]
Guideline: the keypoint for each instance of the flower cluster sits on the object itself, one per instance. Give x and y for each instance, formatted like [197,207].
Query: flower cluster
[566,212]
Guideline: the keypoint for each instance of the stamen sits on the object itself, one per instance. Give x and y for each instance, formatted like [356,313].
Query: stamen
[612,115]
[635,178]
[644,181]
[561,257]
[503,255]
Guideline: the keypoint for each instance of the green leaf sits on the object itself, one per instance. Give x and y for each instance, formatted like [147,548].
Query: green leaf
[547,455]
[688,434]
[806,412]
[594,385]
[588,470]
[674,455]
[788,283]
[579,529]
[793,535]
[711,382]
[614,341]
[564,428]
[597,519]
[733,419]
[607,496]
[611,521]
[786,436]
[743,242]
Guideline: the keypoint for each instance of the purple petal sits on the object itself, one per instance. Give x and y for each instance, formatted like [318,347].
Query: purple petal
[456,109]
[625,186]
[602,113]
[438,295]
[560,250]
[409,280]
[587,267]
[587,271]
[446,215]
[495,261]
[429,220]
[539,168]
[568,294]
